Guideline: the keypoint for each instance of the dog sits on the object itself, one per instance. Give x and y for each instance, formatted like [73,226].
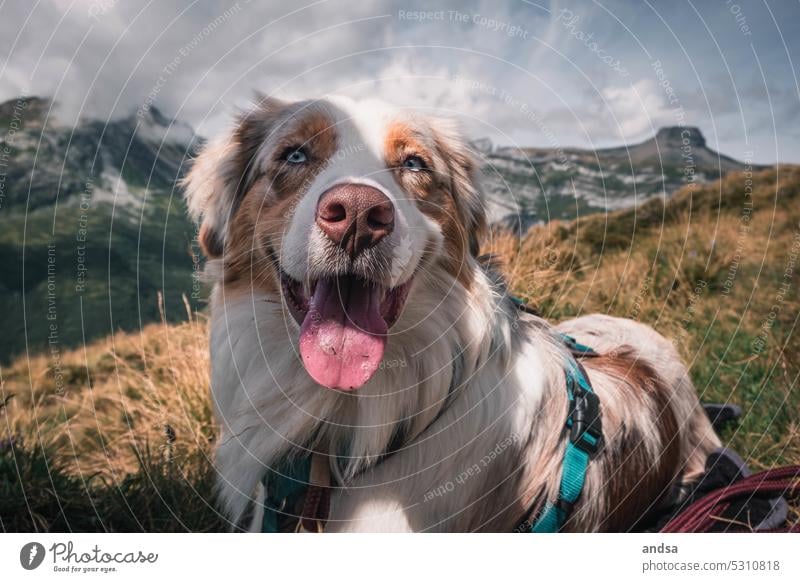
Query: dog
[354,321]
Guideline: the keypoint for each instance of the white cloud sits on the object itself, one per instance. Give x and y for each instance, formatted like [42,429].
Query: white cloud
[633,111]
[106,58]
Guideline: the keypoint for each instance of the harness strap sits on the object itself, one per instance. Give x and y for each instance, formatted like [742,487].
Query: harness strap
[585,439]
[305,478]
[317,502]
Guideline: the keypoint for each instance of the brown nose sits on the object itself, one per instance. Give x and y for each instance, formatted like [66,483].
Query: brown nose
[355,216]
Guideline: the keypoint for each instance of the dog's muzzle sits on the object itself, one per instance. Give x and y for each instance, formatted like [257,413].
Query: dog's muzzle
[355,217]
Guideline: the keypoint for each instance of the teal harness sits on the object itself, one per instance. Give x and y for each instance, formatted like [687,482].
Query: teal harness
[585,439]
[286,484]
[284,488]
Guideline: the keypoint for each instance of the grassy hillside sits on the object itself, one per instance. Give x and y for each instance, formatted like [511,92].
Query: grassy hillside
[117,435]
[89,272]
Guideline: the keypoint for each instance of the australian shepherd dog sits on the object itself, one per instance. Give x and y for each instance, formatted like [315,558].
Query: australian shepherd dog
[354,321]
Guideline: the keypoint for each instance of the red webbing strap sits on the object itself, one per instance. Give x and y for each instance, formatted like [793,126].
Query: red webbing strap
[704,513]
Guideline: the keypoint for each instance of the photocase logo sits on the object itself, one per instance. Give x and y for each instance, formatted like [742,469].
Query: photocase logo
[31,555]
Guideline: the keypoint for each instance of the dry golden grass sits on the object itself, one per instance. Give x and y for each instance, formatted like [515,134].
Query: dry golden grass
[119,396]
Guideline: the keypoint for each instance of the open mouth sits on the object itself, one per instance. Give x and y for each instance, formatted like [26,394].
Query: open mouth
[344,322]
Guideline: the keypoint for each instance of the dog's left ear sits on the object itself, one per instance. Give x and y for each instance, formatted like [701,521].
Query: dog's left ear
[222,172]
[464,181]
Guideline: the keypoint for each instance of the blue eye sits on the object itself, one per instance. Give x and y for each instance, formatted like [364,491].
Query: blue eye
[297,156]
[415,164]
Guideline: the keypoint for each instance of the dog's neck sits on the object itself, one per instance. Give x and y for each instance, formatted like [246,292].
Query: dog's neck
[275,411]
[437,345]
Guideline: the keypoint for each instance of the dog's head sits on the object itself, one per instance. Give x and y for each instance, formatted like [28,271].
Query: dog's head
[343,209]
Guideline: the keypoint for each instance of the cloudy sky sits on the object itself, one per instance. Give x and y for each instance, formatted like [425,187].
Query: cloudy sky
[522,72]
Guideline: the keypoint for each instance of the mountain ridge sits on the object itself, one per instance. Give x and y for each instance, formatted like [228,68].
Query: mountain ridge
[530,185]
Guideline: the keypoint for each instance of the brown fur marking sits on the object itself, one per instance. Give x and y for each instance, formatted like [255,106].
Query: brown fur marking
[433,191]
[267,206]
[635,478]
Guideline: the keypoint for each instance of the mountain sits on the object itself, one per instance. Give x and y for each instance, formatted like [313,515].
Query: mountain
[93,228]
[526,186]
[49,161]
[95,236]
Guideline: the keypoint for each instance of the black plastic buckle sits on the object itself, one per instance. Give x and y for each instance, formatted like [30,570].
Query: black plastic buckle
[584,412]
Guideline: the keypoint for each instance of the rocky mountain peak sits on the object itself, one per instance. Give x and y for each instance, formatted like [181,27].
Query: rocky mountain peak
[153,115]
[151,124]
[677,136]
[21,112]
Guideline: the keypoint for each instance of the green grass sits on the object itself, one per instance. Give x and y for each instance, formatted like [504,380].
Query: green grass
[160,496]
[129,260]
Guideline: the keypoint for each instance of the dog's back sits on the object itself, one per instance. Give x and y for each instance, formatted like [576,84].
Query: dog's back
[654,425]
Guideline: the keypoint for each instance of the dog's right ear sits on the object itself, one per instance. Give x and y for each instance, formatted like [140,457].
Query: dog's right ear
[224,170]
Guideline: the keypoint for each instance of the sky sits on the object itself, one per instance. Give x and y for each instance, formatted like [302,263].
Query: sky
[525,73]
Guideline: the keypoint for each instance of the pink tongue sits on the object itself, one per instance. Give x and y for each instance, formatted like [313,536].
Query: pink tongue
[343,335]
